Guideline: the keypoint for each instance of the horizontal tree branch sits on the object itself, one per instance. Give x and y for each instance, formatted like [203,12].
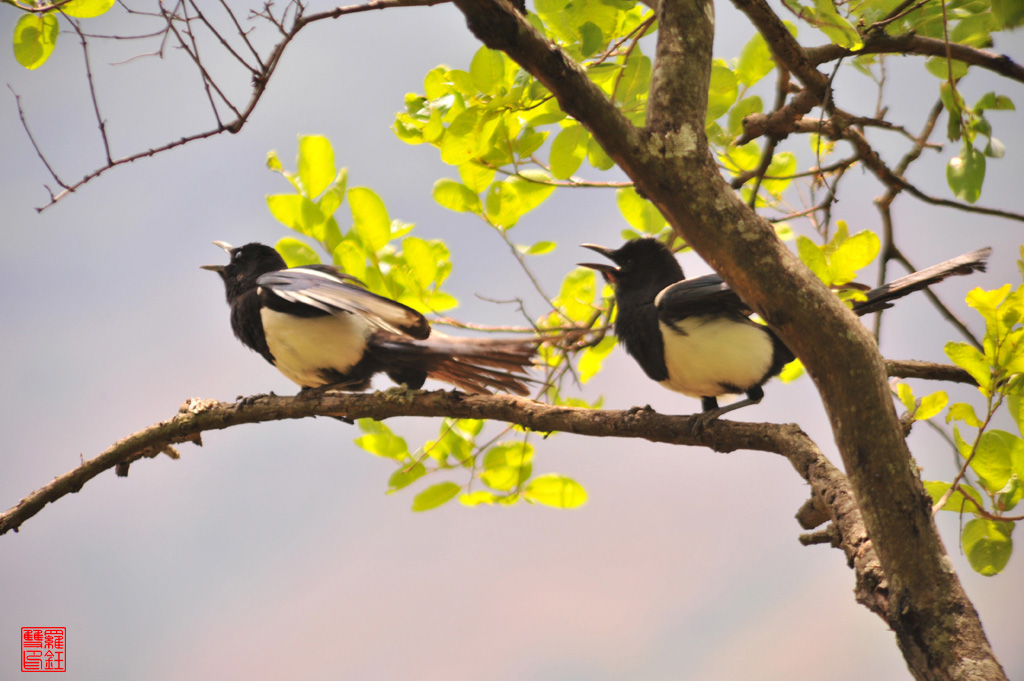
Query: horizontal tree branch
[910,368]
[196,416]
[882,43]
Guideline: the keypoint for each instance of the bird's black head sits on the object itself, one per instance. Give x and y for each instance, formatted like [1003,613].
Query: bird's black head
[643,265]
[247,264]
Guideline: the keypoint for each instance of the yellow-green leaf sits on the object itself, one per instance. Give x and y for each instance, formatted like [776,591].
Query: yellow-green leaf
[435,496]
[35,36]
[555,490]
[296,212]
[296,253]
[316,164]
[370,217]
[456,196]
[86,9]
[988,545]
[487,70]
[568,150]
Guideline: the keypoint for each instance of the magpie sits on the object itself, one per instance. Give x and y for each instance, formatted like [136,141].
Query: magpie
[695,336]
[322,327]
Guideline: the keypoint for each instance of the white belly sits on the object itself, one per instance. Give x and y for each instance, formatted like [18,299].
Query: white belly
[303,346]
[716,352]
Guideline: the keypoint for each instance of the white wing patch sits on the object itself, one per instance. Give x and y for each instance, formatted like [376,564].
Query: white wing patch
[302,346]
[716,351]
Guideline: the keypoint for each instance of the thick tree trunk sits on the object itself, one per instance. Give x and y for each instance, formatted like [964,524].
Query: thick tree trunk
[937,627]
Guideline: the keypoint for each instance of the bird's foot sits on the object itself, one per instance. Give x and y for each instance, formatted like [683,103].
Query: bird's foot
[250,400]
[700,422]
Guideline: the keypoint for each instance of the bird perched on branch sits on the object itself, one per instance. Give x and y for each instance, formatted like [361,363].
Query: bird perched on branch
[322,327]
[695,336]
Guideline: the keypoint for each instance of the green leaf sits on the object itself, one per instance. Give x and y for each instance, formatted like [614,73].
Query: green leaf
[456,196]
[742,109]
[509,200]
[994,148]
[988,545]
[851,255]
[792,371]
[370,217]
[476,176]
[381,441]
[975,30]
[782,167]
[906,396]
[931,405]
[316,164]
[555,490]
[968,358]
[540,248]
[334,195]
[940,68]
[529,141]
[576,296]
[640,213]
[592,39]
[420,258]
[1010,495]
[593,357]
[722,91]
[956,502]
[835,26]
[296,253]
[86,9]
[434,496]
[405,476]
[635,81]
[35,36]
[742,158]
[351,257]
[461,141]
[477,498]
[568,150]
[814,257]
[755,61]
[487,70]
[597,157]
[1016,407]
[297,212]
[507,465]
[993,459]
[1007,13]
[961,411]
[966,173]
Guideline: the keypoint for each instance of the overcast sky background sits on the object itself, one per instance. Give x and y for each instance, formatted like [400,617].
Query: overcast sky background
[273,552]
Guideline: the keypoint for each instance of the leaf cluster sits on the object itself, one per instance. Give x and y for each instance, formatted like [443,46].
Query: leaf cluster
[375,249]
[504,469]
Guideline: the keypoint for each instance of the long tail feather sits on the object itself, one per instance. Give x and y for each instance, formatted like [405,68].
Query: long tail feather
[476,365]
[882,297]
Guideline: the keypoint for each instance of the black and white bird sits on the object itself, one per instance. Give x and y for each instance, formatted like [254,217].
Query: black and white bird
[695,336]
[322,327]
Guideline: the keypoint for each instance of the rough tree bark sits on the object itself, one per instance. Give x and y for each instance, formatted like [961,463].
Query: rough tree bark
[936,625]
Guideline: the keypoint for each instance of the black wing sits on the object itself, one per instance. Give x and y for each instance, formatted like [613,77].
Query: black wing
[698,296]
[326,289]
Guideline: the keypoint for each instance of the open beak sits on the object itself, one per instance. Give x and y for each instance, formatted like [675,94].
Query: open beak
[610,272]
[218,268]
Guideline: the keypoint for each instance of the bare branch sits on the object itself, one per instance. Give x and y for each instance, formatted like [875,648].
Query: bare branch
[880,42]
[92,90]
[260,80]
[910,368]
